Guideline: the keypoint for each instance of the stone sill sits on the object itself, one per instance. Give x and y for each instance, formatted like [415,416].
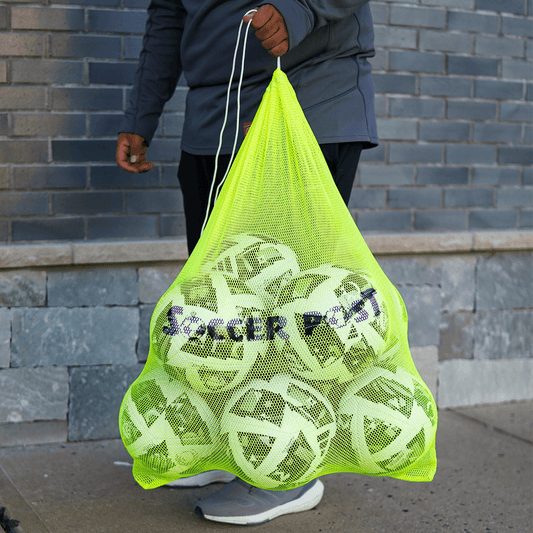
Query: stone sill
[175,249]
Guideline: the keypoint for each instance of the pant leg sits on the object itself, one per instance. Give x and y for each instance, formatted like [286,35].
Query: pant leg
[195,173]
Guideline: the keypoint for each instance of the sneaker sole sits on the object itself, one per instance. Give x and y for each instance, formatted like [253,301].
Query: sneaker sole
[203,479]
[306,501]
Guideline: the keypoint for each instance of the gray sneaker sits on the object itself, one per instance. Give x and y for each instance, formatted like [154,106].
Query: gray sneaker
[243,504]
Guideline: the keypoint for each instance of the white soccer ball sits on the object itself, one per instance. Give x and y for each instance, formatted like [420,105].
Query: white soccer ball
[387,420]
[263,263]
[335,323]
[210,329]
[278,431]
[165,425]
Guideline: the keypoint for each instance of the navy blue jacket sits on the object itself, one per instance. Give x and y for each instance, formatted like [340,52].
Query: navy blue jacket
[330,42]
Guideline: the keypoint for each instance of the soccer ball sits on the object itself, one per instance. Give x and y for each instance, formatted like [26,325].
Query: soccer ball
[165,425]
[263,263]
[278,431]
[387,420]
[209,331]
[335,323]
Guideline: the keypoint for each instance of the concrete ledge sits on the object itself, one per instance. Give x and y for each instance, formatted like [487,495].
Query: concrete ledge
[175,249]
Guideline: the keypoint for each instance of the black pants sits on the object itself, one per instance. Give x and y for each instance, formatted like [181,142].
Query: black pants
[195,173]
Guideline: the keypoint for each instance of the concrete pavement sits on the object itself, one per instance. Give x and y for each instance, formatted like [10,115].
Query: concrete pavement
[483,484]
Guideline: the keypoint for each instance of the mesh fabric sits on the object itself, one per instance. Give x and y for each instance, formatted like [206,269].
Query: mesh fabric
[280,352]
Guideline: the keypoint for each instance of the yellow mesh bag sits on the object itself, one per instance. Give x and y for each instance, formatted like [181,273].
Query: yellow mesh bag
[280,352]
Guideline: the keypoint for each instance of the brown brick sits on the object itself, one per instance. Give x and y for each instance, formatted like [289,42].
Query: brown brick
[47,18]
[3,17]
[4,177]
[3,72]
[22,97]
[41,124]
[46,71]
[17,44]
[23,151]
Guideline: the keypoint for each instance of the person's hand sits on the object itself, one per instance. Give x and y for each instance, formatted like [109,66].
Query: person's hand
[270,29]
[132,146]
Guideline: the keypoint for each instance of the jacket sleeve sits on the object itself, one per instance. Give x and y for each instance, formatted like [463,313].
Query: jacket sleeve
[158,70]
[303,16]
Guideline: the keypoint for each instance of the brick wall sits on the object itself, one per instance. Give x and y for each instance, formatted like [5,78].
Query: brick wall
[454,99]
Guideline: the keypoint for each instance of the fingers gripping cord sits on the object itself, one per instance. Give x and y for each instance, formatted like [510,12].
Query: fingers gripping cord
[226,113]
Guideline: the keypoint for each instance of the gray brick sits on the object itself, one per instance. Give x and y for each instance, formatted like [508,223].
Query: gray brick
[503,335]
[4,127]
[416,61]
[386,175]
[410,271]
[47,71]
[100,124]
[5,338]
[154,282]
[79,336]
[384,220]
[23,151]
[114,177]
[132,47]
[119,227]
[107,3]
[374,155]
[515,155]
[87,203]
[117,21]
[40,229]
[394,83]
[414,197]
[456,336]
[379,13]
[495,176]
[517,68]
[418,16]
[49,177]
[527,178]
[85,46]
[33,394]
[84,150]
[415,153]
[78,98]
[4,230]
[469,197]
[463,4]
[380,106]
[20,44]
[143,345]
[528,134]
[472,66]
[514,197]
[172,225]
[458,271]
[381,60]
[470,154]
[472,22]
[95,398]
[22,288]
[505,281]
[530,7]
[391,37]
[526,218]
[503,90]
[367,198]
[442,176]
[396,129]
[444,131]
[36,432]
[417,107]
[4,177]
[423,306]
[487,45]
[92,286]
[493,218]
[16,203]
[517,26]
[529,48]
[497,133]
[112,73]
[445,86]
[509,6]
[529,92]
[22,97]
[3,17]
[47,124]
[443,41]
[45,18]
[437,219]
[164,201]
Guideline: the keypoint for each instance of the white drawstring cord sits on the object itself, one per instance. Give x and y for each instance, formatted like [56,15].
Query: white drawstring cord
[226,115]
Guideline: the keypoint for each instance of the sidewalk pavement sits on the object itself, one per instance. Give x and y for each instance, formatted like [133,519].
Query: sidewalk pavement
[483,484]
